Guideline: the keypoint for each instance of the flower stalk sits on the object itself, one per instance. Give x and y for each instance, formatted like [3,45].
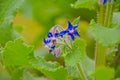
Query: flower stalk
[107,12]
[82,74]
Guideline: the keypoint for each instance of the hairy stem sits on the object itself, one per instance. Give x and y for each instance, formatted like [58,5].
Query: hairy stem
[110,14]
[100,51]
[100,55]
[82,74]
[100,14]
[107,15]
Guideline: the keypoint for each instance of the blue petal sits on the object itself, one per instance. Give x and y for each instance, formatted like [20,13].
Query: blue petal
[104,1]
[72,36]
[50,34]
[76,33]
[75,26]
[70,26]
[63,32]
[46,41]
[52,47]
[57,35]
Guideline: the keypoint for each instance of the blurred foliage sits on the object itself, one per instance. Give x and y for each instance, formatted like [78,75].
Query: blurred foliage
[106,39]
[108,73]
[91,5]
[32,19]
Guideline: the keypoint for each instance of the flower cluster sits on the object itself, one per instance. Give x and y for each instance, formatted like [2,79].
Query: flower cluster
[105,1]
[57,36]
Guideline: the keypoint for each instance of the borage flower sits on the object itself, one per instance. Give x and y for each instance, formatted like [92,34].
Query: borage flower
[105,1]
[51,40]
[55,40]
[70,31]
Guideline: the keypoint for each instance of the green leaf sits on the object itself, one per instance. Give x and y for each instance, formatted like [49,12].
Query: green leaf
[88,65]
[105,36]
[16,53]
[104,73]
[7,33]
[88,4]
[76,21]
[22,74]
[7,12]
[27,76]
[8,9]
[51,69]
[17,74]
[116,18]
[76,54]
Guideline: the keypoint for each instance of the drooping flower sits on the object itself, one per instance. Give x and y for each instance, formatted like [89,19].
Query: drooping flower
[70,31]
[52,39]
[55,40]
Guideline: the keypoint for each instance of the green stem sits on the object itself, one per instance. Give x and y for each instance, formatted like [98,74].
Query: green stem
[110,15]
[82,74]
[100,14]
[100,51]
[100,55]
[107,15]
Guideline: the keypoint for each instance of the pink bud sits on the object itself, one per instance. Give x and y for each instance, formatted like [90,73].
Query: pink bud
[54,30]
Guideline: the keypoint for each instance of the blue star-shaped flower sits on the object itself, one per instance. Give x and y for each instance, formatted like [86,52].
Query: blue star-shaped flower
[51,41]
[105,1]
[50,35]
[71,31]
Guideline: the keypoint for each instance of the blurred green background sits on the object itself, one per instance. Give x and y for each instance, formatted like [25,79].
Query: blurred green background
[35,17]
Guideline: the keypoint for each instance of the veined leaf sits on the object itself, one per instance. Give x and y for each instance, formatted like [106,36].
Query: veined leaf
[105,72]
[7,12]
[50,69]
[17,74]
[27,76]
[7,9]
[88,65]
[105,36]
[7,33]
[16,53]
[21,74]
[116,18]
[76,21]
[91,5]
[76,54]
